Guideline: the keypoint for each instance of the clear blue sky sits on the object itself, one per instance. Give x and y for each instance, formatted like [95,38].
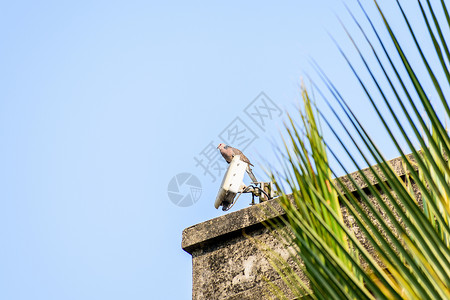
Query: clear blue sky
[103,102]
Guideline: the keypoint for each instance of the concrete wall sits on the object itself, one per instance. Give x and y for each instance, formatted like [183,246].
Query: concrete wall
[227,265]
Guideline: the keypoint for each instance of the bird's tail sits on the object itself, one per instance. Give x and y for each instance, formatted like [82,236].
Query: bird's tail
[251,175]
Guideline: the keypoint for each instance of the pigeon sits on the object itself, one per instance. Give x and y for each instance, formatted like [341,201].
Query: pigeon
[229,152]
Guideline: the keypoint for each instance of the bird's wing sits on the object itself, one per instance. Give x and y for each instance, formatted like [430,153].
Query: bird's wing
[243,157]
[236,151]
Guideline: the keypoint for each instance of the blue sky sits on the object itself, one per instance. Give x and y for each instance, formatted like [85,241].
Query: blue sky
[103,102]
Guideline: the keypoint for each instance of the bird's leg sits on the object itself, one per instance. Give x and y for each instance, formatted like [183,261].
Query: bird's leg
[253,199]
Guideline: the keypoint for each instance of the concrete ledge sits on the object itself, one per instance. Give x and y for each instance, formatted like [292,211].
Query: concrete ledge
[204,233]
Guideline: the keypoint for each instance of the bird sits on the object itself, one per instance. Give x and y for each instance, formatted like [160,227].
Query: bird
[229,152]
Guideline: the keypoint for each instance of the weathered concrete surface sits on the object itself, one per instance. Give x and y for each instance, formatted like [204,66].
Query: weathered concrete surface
[226,264]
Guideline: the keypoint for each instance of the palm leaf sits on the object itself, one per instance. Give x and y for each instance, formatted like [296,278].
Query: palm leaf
[405,219]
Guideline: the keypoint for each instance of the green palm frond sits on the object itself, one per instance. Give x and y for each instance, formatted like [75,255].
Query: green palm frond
[401,211]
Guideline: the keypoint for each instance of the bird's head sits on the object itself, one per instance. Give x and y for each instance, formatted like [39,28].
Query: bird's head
[221,146]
